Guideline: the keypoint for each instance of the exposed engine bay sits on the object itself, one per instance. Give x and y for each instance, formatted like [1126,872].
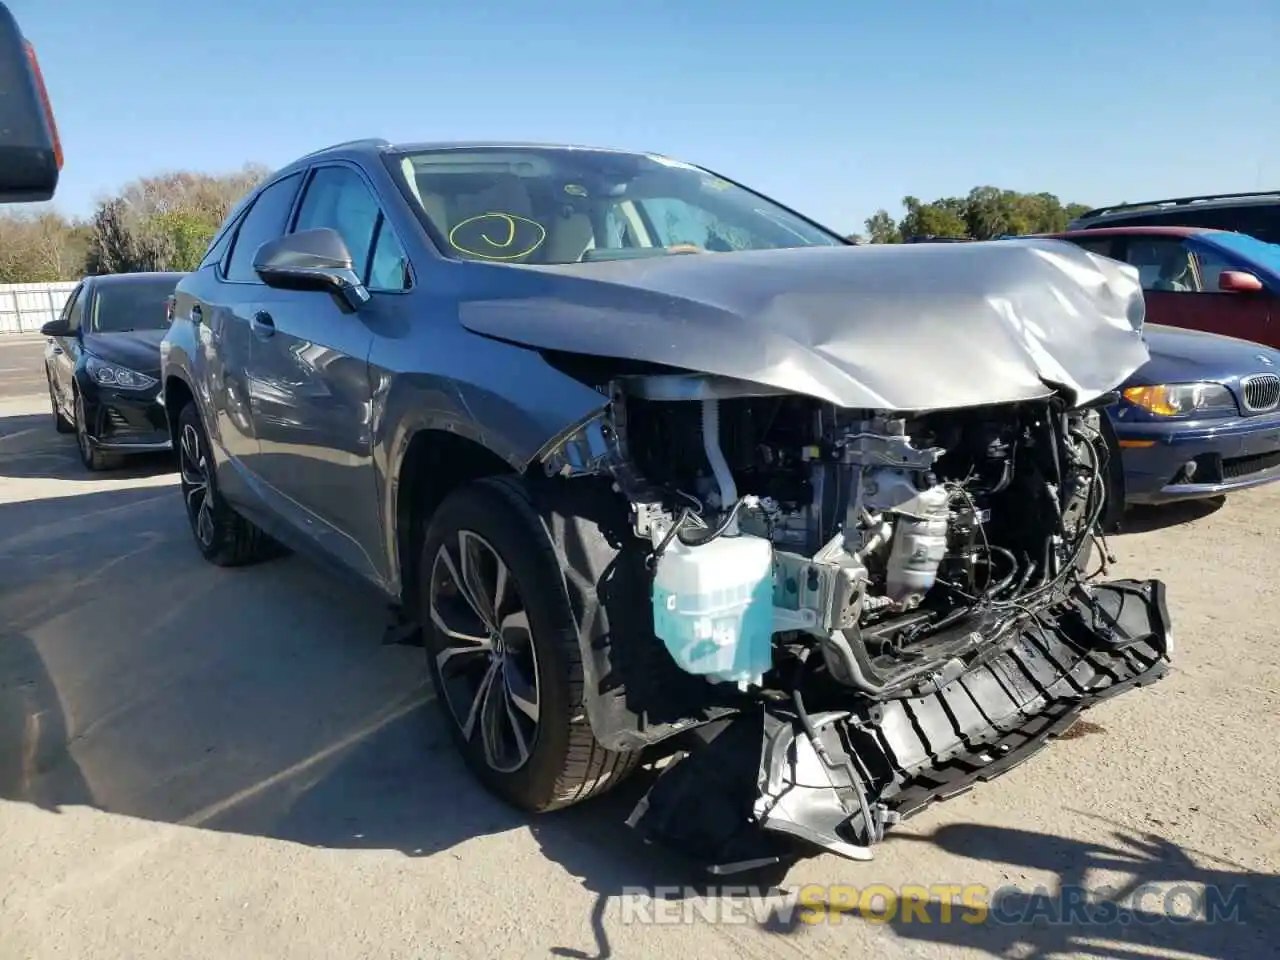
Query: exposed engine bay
[860,581]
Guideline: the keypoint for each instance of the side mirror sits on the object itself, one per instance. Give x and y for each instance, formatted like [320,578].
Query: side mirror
[30,152]
[1238,281]
[56,328]
[311,260]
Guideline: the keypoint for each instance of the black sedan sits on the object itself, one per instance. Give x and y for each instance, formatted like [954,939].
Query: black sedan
[103,366]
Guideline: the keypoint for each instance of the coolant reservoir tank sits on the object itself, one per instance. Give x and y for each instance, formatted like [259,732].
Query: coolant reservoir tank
[713,607]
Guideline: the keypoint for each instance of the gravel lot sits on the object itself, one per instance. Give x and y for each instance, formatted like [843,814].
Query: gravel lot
[206,763]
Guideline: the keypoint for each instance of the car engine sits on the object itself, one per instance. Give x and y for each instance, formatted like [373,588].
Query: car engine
[900,542]
[877,608]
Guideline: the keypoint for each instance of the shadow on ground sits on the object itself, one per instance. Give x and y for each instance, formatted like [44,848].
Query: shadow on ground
[137,679]
[1163,900]
[1145,518]
[31,449]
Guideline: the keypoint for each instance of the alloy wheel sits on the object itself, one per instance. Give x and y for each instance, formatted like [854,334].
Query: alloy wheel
[484,651]
[193,468]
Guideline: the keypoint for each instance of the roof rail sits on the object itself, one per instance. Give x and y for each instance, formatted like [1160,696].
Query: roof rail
[361,142]
[1178,201]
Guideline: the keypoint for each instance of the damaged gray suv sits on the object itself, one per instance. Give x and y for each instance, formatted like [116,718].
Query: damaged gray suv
[651,464]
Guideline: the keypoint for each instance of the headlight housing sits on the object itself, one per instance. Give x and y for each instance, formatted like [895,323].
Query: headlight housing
[113,375]
[1183,399]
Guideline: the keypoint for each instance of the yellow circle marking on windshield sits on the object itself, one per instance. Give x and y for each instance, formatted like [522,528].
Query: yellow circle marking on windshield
[498,234]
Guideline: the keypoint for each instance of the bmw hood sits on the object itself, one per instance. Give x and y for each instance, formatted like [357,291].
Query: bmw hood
[898,327]
[1180,354]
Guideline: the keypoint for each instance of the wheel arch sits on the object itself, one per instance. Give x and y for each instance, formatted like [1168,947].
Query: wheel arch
[432,462]
[177,394]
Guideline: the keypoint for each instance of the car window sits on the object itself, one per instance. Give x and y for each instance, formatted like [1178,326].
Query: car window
[133,305]
[218,249]
[337,198]
[388,266]
[555,206]
[1261,220]
[1101,246]
[266,220]
[75,309]
[1211,264]
[65,314]
[1163,264]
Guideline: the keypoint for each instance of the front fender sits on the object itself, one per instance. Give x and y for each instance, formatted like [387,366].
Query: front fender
[505,398]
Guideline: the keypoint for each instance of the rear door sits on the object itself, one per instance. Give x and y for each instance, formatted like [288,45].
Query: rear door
[225,295]
[313,396]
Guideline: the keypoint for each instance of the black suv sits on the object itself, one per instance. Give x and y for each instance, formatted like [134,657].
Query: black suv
[1257,214]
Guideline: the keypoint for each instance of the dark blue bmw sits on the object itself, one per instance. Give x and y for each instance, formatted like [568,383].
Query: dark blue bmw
[1200,419]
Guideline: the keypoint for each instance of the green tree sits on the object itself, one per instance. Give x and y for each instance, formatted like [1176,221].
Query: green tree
[938,219]
[881,228]
[984,213]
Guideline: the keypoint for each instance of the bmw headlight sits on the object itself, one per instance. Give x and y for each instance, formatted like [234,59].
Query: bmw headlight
[113,375]
[1183,399]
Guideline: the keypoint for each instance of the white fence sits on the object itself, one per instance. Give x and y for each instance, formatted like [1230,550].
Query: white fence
[26,307]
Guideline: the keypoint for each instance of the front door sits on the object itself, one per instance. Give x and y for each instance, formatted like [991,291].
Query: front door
[1246,315]
[1181,291]
[64,352]
[312,396]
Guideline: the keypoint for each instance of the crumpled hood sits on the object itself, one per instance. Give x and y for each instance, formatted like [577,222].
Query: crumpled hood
[900,327]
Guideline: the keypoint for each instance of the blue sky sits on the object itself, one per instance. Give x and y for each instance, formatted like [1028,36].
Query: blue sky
[822,104]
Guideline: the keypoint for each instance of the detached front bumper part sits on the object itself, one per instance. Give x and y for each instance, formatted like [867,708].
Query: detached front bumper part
[755,790]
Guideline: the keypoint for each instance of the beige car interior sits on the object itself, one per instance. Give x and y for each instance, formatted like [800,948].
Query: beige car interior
[568,236]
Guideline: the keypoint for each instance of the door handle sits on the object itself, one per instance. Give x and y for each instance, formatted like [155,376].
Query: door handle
[263,325]
[197,315]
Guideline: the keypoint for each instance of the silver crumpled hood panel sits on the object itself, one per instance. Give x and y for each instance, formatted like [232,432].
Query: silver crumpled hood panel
[898,327]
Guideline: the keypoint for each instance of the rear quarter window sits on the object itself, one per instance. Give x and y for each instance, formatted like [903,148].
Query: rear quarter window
[1261,220]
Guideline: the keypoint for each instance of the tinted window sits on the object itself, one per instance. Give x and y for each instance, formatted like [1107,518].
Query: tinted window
[75,308]
[266,220]
[1212,263]
[1261,220]
[132,305]
[337,198]
[1102,246]
[388,267]
[218,249]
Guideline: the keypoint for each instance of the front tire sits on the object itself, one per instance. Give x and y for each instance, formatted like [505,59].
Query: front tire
[223,537]
[503,651]
[60,421]
[92,458]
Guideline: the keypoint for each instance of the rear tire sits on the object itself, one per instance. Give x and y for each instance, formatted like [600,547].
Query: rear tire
[1113,512]
[507,667]
[223,537]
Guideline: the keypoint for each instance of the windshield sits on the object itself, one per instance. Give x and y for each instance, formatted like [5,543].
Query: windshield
[131,305]
[555,206]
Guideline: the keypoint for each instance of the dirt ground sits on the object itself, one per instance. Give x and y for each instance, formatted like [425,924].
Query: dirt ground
[208,763]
